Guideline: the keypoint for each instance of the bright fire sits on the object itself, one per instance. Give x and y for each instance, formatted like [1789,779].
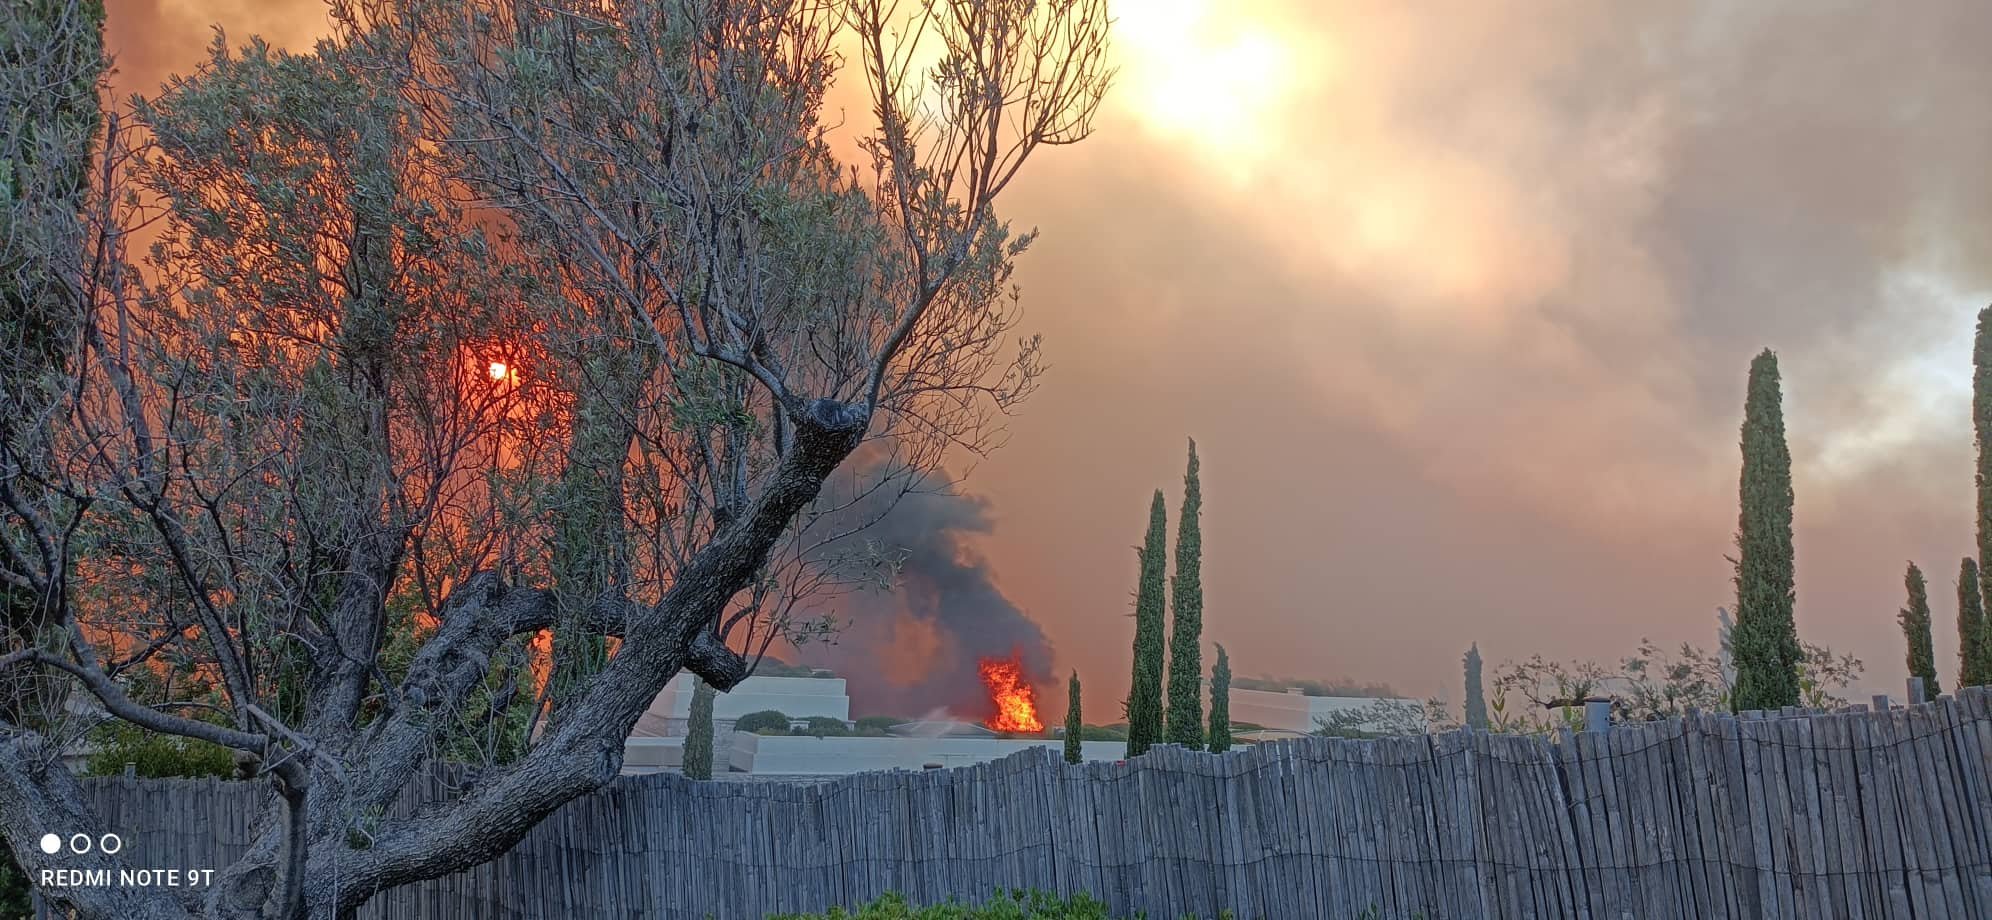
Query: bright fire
[499,370]
[1015,701]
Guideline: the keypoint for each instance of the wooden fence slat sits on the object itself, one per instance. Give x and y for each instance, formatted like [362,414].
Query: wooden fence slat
[1973,754]
[1893,742]
[1843,814]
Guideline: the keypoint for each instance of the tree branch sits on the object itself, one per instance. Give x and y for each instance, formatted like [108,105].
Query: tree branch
[114,700]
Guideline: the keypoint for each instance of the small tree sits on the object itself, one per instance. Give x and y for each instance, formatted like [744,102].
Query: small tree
[698,736]
[1476,693]
[1915,620]
[1766,641]
[1971,640]
[1376,719]
[1185,723]
[1144,701]
[1075,726]
[1220,703]
[1651,683]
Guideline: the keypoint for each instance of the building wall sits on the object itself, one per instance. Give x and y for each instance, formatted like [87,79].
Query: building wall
[658,755]
[1293,711]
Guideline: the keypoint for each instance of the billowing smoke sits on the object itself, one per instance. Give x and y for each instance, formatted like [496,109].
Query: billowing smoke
[913,648]
[1495,270]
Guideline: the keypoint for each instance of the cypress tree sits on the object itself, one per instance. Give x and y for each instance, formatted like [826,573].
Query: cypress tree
[1144,701]
[1766,640]
[1185,723]
[1971,627]
[1075,728]
[1476,696]
[698,736]
[1220,703]
[1915,620]
[1981,425]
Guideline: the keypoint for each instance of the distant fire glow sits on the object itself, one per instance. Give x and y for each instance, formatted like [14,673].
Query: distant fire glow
[499,370]
[1015,701]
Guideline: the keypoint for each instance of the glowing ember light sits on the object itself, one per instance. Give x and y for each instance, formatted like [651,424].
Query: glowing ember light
[1015,701]
[499,370]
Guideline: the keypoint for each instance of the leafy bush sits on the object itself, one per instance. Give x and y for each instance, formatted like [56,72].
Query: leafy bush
[825,727]
[156,755]
[1381,719]
[764,722]
[774,667]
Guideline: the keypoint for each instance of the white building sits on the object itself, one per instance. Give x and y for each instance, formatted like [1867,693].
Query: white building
[1294,711]
[788,755]
[658,743]
[796,697]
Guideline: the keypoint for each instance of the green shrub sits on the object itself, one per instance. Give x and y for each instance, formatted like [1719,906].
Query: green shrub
[156,755]
[764,722]
[825,727]
[770,667]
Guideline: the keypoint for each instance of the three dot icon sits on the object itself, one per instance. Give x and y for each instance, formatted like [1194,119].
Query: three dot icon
[82,843]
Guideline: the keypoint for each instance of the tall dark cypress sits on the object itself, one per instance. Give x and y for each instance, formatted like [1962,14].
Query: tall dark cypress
[1185,723]
[1144,698]
[1915,619]
[698,735]
[1972,643]
[1220,703]
[1476,695]
[1075,727]
[1765,638]
[1981,425]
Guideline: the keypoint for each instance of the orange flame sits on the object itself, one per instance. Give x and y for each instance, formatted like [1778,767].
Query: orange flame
[1015,701]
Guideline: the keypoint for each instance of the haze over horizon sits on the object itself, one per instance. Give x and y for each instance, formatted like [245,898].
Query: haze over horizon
[1458,303]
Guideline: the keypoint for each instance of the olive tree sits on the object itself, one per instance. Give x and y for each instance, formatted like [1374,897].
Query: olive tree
[486,373]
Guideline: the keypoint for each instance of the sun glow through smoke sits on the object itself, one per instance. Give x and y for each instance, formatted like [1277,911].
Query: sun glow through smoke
[1214,78]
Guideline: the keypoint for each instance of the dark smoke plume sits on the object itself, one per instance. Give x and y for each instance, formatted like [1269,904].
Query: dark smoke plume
[913,648]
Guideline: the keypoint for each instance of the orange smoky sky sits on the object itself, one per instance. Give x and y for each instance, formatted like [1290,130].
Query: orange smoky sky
[1457,300]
